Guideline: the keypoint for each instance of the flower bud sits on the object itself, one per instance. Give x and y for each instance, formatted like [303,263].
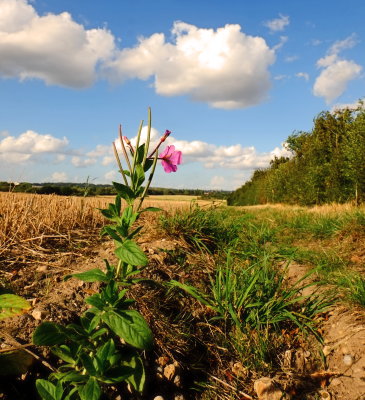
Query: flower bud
[166,135]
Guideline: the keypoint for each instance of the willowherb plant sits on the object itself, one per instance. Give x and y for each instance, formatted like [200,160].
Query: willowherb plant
[104,348]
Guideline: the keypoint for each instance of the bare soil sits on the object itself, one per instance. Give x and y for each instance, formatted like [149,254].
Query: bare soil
[178,358]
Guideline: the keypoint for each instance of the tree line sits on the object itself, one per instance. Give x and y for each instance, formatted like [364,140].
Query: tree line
[90,189]
[326,165]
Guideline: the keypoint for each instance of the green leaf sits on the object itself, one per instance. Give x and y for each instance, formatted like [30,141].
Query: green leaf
[125,192]
[117,374]
[91,391]
[46,390]
[140,154]
[151,209]
[64,353]
[105,352]
[93,275]
[135,232]
[139,176]
[16,362]
[88,364]
[49,334]
[131,253]
[111,232]
[138,378]
[11,305]
[130,326]
[106,213]
[96,301]
[148,164]
[118,205]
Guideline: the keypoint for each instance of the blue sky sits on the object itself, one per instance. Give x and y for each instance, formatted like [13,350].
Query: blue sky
[232,80]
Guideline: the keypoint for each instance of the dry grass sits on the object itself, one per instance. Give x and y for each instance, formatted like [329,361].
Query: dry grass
[31,221]
[35,218]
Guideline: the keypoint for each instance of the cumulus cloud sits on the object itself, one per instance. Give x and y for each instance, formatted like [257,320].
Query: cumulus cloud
[214,156]
[111,175]
[30,145]
[336,72]
[80,162]
[59,177]
[231,157]
[278,24]
[225,67]
[52,47]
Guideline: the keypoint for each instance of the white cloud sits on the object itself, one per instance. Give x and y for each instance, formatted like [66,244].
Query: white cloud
[283,40]
[291,58]
[107,160]
[29,145]
[304,75]
[231,157]
[333,80]
[111,175]
[278,24]
[218,182]
[350,106]
[59,177]
[337,72]
[52,47]
[4,133]
[280,77]
[100,150]
[80,162]
[225,67]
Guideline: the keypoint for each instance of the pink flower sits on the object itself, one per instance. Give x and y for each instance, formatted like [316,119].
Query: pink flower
[170,159]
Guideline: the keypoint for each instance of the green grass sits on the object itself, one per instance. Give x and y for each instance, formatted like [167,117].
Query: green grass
[250,301]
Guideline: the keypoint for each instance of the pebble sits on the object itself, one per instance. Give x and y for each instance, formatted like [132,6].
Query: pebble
[39,314]
[326,350]
[42,268]
[169,371]
[348,359]
[179,397]
[266,390]
[324,395]
[177,381]
[158,398]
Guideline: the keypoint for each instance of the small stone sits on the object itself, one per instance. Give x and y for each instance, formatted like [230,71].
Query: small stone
[158,398]
[326,350]
[348,359]
[169,371]
[177,380]
[324,395]
[266,390]
[162,361]
[39,314]
[42,268]
[179,397]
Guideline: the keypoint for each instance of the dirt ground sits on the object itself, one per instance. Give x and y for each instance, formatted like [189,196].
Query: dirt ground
[52,299]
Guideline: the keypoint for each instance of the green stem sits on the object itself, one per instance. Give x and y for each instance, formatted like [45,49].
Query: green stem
[136,152]
[119,164]
[124,150]
[118,269]
[148,136]
[148,182]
